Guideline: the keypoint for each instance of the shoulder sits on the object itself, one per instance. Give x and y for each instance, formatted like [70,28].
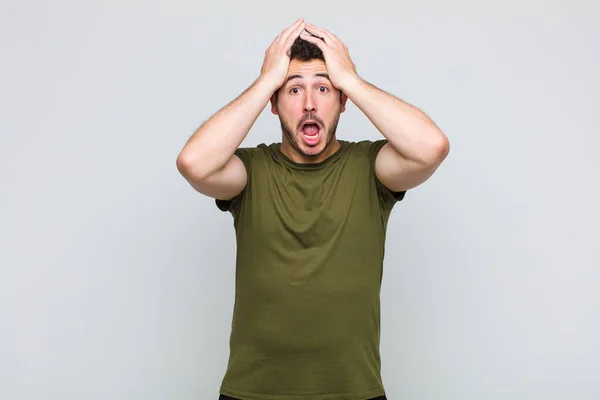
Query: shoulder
[367,148]
[252,153]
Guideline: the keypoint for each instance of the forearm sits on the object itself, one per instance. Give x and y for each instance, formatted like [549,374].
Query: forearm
[410,132]
[213,144]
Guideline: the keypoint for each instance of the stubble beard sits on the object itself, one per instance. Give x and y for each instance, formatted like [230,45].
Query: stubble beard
[293,138]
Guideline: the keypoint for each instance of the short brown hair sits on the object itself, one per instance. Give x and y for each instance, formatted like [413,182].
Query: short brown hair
[303,50]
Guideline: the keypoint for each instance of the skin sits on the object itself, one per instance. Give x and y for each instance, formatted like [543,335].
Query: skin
[308,94]
[416,145]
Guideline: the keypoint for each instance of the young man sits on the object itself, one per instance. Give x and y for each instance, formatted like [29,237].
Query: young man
[310,215]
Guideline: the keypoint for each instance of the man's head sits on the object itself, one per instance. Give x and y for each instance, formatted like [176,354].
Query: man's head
[308,105]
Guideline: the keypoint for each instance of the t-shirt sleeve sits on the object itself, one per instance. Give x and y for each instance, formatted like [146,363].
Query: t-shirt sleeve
[245,154]
[386,196]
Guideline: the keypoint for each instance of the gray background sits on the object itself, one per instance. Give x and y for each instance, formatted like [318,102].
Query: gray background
[116,278]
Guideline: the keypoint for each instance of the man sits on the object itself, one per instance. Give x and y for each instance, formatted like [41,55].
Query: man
[310,215]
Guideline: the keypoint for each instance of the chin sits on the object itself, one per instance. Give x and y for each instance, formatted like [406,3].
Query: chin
[312,151]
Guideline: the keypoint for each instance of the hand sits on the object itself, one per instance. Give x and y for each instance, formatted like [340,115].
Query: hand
[340,67]
[277,56]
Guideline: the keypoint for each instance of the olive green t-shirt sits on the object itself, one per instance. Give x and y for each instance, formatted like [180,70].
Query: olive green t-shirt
[310,248]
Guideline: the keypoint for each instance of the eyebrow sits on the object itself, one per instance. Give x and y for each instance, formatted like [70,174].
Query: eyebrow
[320,74]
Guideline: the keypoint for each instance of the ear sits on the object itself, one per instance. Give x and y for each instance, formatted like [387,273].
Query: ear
[343,100]
[274,104]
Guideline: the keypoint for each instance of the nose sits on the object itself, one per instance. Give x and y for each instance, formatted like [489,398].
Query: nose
[309,102]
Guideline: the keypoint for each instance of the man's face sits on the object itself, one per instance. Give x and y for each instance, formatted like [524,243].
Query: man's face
[309,108]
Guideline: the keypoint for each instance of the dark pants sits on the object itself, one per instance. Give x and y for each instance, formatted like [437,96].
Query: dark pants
[223,397]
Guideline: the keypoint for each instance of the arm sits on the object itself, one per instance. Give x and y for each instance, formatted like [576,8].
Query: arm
[416,146]
[207,160]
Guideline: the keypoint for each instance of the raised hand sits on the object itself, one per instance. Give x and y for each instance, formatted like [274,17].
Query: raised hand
[277,56]
[340,67]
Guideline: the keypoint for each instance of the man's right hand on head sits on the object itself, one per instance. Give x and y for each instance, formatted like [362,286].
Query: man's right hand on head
[277,56]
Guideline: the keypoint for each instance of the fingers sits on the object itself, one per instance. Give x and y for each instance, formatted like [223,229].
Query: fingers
[296,26]
[322,33]
[294,35]
[283,32]
[313,39]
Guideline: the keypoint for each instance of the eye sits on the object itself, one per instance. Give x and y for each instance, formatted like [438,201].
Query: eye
[324,89]
[294,90]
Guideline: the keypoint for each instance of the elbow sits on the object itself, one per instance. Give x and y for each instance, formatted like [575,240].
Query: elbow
[189,167]
[438,151]
[443,147]
[183,163]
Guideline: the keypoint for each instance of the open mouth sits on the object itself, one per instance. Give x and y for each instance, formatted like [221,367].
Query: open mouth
[311,132]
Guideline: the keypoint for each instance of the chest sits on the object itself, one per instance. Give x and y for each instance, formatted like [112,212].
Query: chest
[308,208]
